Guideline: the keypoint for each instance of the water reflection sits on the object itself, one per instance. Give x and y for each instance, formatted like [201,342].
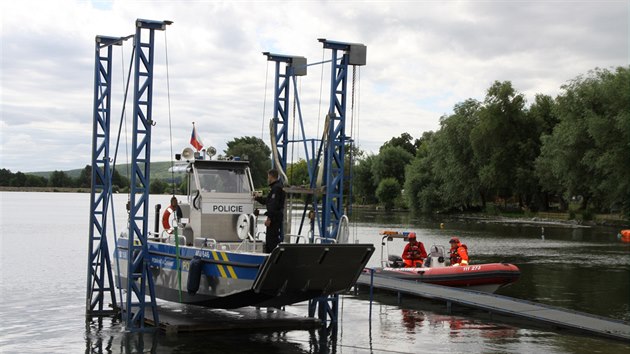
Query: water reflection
[413,320]
[106,335]
[140,343]
[323,340]
[95,340]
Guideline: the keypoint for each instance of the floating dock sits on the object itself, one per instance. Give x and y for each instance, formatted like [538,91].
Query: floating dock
[522,309]
[179,318]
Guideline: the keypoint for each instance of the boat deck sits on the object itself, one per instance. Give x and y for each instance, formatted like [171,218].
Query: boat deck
[522,309]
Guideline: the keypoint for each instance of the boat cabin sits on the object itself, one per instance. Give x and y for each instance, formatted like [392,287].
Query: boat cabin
[219,193]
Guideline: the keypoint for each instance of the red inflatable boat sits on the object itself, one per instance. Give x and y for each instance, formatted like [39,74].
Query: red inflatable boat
[482,277]
[486,277]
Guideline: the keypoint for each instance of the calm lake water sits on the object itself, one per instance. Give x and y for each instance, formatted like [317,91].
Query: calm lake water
[43,269]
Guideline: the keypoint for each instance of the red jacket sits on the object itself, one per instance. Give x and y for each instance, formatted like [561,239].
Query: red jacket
[459,253]
[414,251]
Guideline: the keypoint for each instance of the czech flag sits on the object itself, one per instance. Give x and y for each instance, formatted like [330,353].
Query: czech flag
[195,141]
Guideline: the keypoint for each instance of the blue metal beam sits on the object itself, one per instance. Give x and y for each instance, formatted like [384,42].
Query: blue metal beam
[139,277]
[343,55]
[332,209]
[100,285]
[294,66]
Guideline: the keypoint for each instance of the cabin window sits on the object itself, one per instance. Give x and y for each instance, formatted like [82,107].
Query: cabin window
[192,185]
[223,181]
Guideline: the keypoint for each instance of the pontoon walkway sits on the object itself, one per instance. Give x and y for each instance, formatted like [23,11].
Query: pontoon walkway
[550,315]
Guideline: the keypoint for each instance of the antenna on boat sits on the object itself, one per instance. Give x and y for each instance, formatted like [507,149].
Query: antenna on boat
[170,124]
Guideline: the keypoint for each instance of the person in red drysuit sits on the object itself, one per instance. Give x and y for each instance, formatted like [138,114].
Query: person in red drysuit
[414,252]
[459,252]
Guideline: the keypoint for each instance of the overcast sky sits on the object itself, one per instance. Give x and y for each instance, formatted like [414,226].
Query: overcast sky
[423,57]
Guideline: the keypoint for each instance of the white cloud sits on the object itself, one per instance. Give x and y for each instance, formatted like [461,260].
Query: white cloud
[423,58]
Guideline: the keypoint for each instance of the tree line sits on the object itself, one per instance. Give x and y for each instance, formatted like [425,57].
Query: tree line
[251,148]
[575,147]
[58,179]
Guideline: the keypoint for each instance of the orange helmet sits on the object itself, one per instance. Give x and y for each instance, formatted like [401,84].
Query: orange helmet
[454,240]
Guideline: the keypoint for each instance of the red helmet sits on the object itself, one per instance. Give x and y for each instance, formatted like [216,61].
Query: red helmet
[412,236]
[454,240]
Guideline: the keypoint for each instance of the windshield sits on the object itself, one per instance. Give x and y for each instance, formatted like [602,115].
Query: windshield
[223,181]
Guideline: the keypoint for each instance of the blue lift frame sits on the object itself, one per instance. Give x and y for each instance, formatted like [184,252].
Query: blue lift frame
[334,149]
[138,252]
[295,66]
[99,278]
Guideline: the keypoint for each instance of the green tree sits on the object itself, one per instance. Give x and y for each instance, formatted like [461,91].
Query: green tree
[541,119]
[298,173]
[183,187]
[120,181]
[85,177]
[5,177]
[18,179]
[363,183]
[391,162]
[543,113]
[421,187]
[157,186]
[59,179]
[587,153]
[497,137]
[387,192]
[405,141]
[257,152]
[454,164]
[607,96]
[35,181]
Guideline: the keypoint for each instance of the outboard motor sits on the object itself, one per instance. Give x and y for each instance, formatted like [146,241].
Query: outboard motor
[436,257]
[395,261]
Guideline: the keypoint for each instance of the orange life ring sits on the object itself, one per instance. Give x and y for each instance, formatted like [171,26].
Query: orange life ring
[166,219]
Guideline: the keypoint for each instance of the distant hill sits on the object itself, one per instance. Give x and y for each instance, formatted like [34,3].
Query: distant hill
[71,173]
[159,170]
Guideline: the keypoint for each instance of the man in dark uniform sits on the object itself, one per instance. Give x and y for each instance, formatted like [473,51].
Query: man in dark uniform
[275,210]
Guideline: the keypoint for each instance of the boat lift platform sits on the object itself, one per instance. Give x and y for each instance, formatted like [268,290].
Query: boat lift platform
[181,318]
[497,304]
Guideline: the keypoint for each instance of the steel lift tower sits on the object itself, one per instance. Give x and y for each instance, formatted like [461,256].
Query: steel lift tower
[99,280]
[334,150]
[343,55]
[139,277]
[328,210]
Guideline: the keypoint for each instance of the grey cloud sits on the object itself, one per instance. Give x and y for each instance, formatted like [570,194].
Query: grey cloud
[423,57]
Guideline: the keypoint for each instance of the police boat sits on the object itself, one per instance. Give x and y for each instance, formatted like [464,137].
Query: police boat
[487,277]
[211,254]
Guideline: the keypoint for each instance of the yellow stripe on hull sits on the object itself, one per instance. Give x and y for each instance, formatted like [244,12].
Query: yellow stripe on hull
[230,269]
[219,266]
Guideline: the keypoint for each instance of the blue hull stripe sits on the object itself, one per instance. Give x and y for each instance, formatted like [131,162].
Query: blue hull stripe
[230,265]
